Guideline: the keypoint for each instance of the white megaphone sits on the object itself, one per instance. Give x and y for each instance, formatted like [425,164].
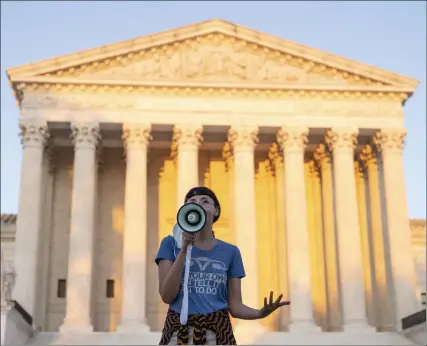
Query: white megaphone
[191,218]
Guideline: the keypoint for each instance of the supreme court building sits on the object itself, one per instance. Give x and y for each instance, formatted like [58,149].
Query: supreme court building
[303,149]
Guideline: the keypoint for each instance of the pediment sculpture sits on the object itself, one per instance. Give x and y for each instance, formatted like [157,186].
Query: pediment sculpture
[7,281]
[210,59]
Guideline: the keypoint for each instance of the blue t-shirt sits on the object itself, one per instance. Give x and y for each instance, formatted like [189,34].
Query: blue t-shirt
[209,271]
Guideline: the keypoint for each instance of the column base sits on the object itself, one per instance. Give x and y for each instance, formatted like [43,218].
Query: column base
[247,332]
[303,327]
[133,327]
[79,328]
[359,327]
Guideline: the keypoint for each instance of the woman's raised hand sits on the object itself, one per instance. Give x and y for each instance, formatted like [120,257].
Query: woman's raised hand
[271,306]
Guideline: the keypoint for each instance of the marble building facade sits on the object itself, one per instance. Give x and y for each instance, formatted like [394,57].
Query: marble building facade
[304,150]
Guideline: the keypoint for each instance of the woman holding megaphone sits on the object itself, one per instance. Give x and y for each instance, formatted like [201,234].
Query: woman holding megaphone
[200,278]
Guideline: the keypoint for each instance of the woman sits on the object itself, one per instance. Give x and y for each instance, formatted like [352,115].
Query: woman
[214,284]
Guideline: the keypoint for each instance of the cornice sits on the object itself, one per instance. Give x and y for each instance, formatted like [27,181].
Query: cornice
[70,83]
[74,88]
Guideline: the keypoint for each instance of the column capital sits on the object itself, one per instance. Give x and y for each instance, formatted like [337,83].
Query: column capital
[367,156]
[341,138]
[188,135]
[390,140]
[293,138]
[85,135]
[33,133]
[243,137]
[51,156]
[313,169]
[227,155]
[275,155]
[136,136]
[321,155]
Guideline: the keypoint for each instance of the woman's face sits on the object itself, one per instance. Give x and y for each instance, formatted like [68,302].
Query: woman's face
[208,205]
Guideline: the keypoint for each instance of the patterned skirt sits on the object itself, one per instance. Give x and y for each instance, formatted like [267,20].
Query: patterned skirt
[213,328]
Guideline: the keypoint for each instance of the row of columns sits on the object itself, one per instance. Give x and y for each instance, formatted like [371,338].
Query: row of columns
[242,141]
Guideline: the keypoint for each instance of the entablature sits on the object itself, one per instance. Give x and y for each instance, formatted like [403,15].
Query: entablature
[162,106]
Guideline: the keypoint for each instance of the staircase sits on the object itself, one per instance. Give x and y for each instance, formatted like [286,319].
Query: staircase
[280,338]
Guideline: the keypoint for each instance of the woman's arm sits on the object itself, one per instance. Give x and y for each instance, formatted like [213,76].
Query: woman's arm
[170,274]
[235,305]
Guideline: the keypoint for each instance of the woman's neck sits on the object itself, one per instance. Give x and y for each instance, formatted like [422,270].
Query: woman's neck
[205,235]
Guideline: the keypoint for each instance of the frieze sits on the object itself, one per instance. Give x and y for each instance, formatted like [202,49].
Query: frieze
[299,103]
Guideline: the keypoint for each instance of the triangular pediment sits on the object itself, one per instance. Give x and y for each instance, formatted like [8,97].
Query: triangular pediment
[209,52]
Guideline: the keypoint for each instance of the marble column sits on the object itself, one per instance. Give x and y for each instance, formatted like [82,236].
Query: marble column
[390,143]
[227,155]
[370,163]
[311,239]
[319,246]
[34,135]
[136,138]
[243,141]
[186,142]
[293,142]
[276,157]
[342,142]
[323,159]
[367,263]
[86,137]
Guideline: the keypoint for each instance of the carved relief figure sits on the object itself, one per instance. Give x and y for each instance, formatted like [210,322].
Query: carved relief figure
[7,280]
[212,59]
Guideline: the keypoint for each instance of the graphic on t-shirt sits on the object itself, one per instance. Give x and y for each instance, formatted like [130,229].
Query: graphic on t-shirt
[203,262]
[206,280]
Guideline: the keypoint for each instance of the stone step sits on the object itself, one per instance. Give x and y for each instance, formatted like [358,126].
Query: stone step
[96,338]
[280,338]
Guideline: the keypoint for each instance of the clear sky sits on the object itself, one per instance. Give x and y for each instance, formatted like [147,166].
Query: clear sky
[390,35]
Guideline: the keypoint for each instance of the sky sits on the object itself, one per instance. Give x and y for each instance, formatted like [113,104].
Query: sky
[390,35]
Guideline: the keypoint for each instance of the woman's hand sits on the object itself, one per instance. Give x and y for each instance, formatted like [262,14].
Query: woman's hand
[270,307]
[187,239]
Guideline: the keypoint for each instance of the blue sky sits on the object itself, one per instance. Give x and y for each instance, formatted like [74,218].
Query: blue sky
[390,35]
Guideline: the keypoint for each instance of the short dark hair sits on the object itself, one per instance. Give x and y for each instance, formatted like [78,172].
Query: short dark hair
[204,191]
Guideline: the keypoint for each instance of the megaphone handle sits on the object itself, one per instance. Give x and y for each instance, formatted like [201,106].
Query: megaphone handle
[184,309]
